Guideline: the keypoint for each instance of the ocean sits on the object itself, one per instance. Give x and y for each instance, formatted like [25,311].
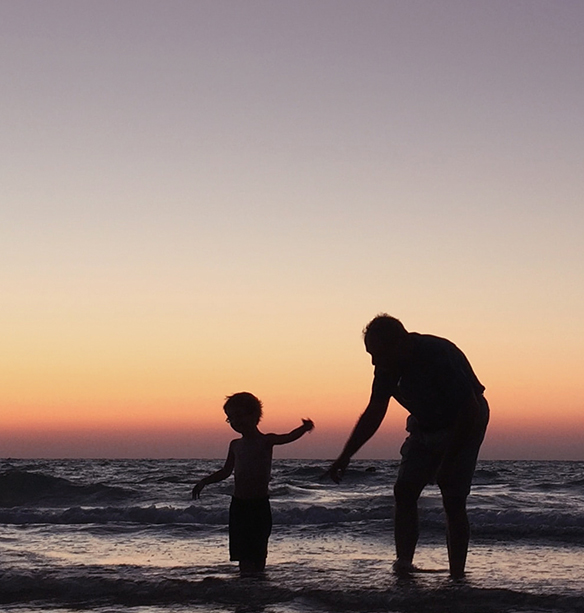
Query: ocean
[124,536]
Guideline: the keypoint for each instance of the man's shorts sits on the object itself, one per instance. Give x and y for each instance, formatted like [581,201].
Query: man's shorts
[422,453]
[250,525]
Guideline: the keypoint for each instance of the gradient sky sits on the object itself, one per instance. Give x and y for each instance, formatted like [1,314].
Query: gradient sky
[206,196]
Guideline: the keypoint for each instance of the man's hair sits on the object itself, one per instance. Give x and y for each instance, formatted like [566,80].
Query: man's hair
[385,327]
[246,401]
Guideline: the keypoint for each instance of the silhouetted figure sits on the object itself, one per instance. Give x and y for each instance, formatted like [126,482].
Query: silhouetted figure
[433,380]
[250,516]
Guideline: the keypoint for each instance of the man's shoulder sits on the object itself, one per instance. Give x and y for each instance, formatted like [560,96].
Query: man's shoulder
[436,354]
[431,340]
[430,344]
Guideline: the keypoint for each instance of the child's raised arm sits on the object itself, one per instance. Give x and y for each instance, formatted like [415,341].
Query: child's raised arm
[215,477]
[282,439]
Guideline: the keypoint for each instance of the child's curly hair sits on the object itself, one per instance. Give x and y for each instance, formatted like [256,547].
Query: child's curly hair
[246,401]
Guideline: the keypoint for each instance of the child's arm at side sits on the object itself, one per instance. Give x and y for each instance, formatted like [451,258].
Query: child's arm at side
[215,477]
[282,439]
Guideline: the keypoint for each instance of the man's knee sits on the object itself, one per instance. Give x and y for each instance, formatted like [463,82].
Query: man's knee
[454,506]
[406,492]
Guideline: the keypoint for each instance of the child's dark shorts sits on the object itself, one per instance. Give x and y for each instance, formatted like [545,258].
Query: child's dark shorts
[250,525]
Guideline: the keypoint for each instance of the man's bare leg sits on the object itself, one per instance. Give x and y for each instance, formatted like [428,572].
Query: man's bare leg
[457,534]
[406,524]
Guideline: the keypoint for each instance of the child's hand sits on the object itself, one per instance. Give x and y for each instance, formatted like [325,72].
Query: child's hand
[308,424]
[197,490]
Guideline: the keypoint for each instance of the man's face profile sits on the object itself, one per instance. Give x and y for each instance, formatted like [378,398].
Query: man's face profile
[384,352]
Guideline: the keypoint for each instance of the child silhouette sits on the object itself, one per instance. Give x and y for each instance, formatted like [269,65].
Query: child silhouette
[250,457]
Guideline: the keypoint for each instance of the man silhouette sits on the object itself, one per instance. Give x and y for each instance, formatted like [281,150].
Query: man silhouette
[431,378]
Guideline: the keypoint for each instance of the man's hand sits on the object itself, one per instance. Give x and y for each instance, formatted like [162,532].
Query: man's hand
[337,469]
[308,424]
[197,490]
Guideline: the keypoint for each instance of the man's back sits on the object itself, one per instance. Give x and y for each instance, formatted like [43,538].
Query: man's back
[436,381]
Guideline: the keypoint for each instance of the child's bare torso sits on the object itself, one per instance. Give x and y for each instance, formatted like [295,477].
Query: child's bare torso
[253,466]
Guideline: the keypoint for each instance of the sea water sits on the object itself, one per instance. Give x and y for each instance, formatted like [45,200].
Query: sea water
[124,535]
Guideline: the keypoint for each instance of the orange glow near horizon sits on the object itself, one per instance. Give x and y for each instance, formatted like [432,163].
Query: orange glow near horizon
[163,395]
[198,430]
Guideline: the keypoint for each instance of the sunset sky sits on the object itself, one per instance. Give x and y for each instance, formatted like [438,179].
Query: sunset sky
[201,197]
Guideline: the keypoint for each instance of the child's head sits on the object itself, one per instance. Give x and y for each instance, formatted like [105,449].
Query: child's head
[243,403]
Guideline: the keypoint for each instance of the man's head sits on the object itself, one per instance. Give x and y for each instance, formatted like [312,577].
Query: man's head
[385,339]
[243,405]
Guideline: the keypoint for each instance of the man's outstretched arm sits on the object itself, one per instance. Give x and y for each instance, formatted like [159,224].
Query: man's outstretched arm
[365,428]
